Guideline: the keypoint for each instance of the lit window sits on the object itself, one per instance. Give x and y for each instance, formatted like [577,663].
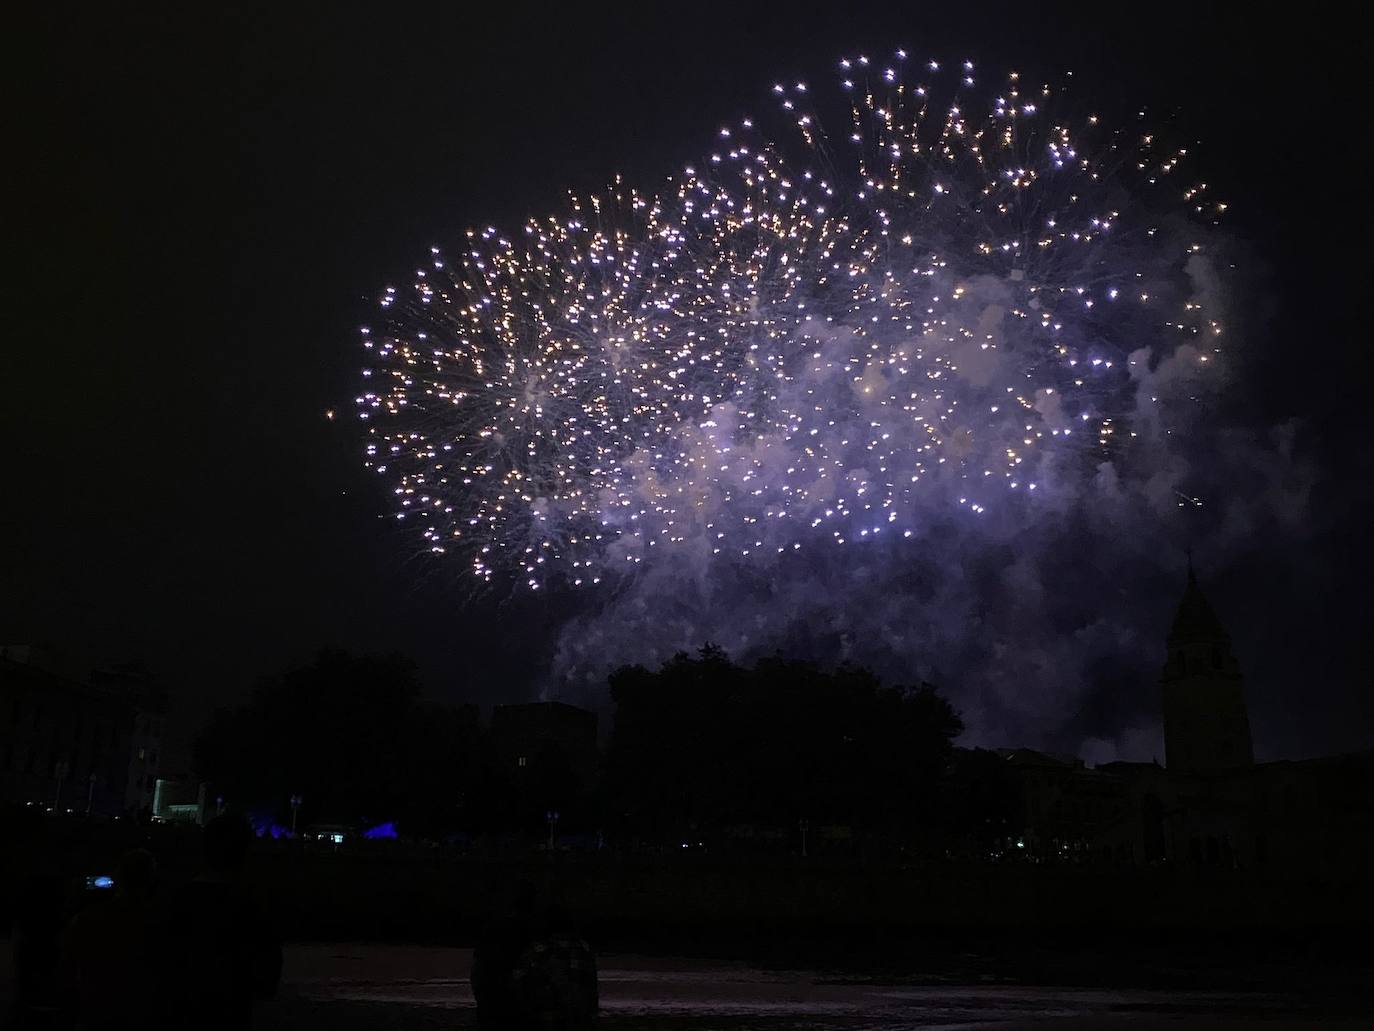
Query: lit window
[522,761]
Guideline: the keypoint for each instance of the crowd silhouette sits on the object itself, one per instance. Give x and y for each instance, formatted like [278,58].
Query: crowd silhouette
[123,953]
[118,953]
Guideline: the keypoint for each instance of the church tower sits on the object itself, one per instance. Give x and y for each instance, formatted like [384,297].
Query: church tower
[1206,723]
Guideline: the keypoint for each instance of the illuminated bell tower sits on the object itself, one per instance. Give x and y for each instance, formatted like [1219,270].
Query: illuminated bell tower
[1206,722]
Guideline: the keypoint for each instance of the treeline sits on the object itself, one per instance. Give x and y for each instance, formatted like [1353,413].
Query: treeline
[700,750]
[352,738]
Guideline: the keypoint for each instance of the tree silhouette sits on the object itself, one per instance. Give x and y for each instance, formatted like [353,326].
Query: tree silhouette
[704,743]
[351,737]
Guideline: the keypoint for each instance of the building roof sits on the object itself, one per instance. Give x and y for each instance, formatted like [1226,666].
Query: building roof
[1043,760]
[1127,766]
[524,715]
[20,665]
[547,706]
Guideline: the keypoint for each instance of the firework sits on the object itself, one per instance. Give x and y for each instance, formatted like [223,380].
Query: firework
[809,338]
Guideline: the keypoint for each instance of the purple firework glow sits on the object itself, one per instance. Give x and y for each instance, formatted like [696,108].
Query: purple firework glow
[975,323]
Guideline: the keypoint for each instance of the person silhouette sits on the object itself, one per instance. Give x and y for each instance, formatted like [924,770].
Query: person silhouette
[223,952]
[38,878]
[499,947]
[107,953]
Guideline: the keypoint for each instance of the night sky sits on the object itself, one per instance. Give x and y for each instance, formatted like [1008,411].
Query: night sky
[209,208]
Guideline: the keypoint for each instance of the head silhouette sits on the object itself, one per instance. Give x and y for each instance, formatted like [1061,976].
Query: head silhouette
[137,874]
[557,919]
[226,843]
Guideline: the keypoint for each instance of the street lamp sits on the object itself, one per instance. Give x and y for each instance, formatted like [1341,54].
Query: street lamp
[552,817]
[296,801]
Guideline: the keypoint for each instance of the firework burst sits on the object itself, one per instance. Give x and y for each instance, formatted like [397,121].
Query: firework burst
[806,339]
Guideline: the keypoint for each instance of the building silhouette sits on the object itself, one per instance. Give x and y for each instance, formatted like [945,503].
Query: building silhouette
[1210,804]
[147,698]
[545,735]
[1206,722]
[89,744]
[545,755]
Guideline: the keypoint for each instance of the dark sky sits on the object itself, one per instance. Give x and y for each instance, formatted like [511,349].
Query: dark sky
[207,206]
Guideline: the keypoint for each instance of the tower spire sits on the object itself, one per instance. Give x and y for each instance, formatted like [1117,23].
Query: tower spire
[1206,723]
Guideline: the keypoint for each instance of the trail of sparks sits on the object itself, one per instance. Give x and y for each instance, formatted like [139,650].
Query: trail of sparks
[801,341]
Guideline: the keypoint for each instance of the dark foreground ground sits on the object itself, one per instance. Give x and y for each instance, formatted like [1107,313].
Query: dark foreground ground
[363,987]
[347,987]
[727,944]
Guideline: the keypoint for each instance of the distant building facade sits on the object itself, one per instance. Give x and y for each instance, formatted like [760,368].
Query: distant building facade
[545,752]
[540,733]
[88,745]
[178,800]
[1210,804]
[1065,806]
[149,702]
